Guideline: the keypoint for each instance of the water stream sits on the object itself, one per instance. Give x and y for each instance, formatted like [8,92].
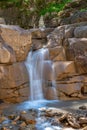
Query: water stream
[40,69]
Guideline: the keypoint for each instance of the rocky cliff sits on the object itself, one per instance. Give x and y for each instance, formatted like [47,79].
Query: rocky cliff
[14,46]
[67,46]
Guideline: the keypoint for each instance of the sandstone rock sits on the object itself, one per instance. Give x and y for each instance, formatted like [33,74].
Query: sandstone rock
[18,39]
[13,79]
[7,55]
[40,34]
[29,119]
[38,44]
[17,118]
[56,37]
[52,93]
[69,89]
[63,69]
[57,53]
[23,124]
[85,128]
[76,48]
[83,120]
[80,32]
[2,118]
[72,121]
[77,17]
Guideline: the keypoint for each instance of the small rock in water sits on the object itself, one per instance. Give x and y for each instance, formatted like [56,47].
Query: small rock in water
[14,123]
[23,124]
[23,112]
[17,118]
[83,107]
[63,117]
[12,116]
[72,121]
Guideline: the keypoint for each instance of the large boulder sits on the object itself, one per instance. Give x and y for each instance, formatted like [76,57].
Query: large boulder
[18,39]
[68,49]
[7,55]
[80,32]
[14,82]
[77,51]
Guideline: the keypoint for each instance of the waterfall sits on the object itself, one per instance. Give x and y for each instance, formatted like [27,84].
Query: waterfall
[36,65]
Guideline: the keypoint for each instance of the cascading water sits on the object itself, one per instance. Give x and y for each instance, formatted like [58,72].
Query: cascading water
[36,63]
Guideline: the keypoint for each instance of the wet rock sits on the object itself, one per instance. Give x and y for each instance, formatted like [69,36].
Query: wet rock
[3,118]
[17,118]
[83,120]
[72,121]
[23,112]
[12,116]
[14,123]
[23,124]
[4,128]
[63,117]
[29,119]
[83,107]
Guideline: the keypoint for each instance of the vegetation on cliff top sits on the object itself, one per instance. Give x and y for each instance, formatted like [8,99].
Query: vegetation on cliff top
[40,6]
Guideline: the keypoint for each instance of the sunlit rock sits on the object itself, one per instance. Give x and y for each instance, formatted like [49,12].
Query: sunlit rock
[7,55]
[64,68]
[18,39]
[57,53]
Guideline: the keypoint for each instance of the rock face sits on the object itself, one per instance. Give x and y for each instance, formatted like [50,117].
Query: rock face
[14,46]
[18,39]
[68,50]
[67,46]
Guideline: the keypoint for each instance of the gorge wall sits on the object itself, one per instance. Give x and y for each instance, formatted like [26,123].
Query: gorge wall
[67,46]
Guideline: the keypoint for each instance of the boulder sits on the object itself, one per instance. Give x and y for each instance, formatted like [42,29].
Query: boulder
[7,55]
[80,32]
[64,69]
[14,82]
[77,51]
[56,37]
[76,17]
[18,39]
[57,53]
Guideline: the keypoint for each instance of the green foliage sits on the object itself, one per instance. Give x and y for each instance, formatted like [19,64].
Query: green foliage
[41,6]
[54,7]
[38,7]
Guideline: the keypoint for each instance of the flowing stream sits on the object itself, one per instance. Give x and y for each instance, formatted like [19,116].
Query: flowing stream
[39,67]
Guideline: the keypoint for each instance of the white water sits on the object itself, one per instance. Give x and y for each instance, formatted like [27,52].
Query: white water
[36,66]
